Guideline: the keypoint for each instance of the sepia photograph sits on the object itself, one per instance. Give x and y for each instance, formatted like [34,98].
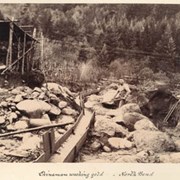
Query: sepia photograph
[90,83]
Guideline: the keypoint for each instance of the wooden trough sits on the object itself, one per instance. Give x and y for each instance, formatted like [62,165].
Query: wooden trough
[66,148]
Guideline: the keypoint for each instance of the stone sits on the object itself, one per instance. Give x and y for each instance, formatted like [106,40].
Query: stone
[53,87]
[33,108]
[17,90]
[42,96]
[20,125]
[62,104]
[90,104]
[27,89]
[104,125]
[120,130]
[10,99]
[4,104]
[153,140]
[95,146]
[13,108]
[45,116]
[108,97]
[67,127]
[129,119]
[94,97]
[12,116]
[18,98]
[127,159]
[120,143]
[145,124]
[55,101]
[35,95]
[39,122]
[97,161]
[11,127]
[18,113]
[177,144]
[99,109]
[37,89]
[30,142]
[24,118]
[106,149]
[2,120]
[69,111]
[173,157]
[130,107]
[61,131]
[65,119]
[54,110]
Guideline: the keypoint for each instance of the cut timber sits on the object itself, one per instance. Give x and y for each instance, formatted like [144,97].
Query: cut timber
[69,149]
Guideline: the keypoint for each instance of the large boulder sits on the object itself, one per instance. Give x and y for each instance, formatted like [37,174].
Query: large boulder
[54,110]
[99,109]
[159,104]
[127,108]
[69,111]
[153,140]
[18,98]
[173,157]
[130,107]
[104,124]
[33,108]
[120,143]
[108,97]
[145,124]
[65,119]
[129,119]
[53,87]
[39,122]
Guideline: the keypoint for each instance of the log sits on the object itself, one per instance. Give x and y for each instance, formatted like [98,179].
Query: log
[34,129]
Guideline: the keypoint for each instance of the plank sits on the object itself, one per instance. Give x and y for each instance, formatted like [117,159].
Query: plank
[68,151]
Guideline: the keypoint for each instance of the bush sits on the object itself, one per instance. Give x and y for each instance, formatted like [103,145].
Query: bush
[146,74]
[91,72]
[162,76]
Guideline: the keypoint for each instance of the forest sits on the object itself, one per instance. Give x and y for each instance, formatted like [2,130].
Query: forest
[87,42]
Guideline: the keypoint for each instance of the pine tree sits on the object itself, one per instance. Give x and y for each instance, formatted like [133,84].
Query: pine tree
[167,48]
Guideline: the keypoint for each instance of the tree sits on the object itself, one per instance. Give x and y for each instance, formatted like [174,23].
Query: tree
[167,48]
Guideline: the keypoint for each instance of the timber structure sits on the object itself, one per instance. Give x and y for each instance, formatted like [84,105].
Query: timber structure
[17,47]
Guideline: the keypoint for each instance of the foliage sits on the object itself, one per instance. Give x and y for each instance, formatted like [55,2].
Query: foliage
[77,33]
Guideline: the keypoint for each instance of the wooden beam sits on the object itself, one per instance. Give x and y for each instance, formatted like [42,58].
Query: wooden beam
[34,129]
[16,61]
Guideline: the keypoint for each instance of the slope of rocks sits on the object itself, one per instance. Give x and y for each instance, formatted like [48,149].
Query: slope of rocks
[126,135]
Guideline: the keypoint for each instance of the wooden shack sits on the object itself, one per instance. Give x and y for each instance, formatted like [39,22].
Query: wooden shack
[17,44]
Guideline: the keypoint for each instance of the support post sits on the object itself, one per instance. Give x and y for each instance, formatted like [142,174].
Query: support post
[24,49]
[19,51]
[9,53]
[42,46]
[11,41]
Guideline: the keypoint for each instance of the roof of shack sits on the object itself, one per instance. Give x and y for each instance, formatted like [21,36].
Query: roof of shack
[18,32]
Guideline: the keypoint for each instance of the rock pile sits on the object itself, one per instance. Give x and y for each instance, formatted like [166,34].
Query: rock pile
[23,107]
[36,107]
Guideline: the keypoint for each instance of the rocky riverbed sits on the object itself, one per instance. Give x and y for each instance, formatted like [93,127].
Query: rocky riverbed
[126,135]
[23,108]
